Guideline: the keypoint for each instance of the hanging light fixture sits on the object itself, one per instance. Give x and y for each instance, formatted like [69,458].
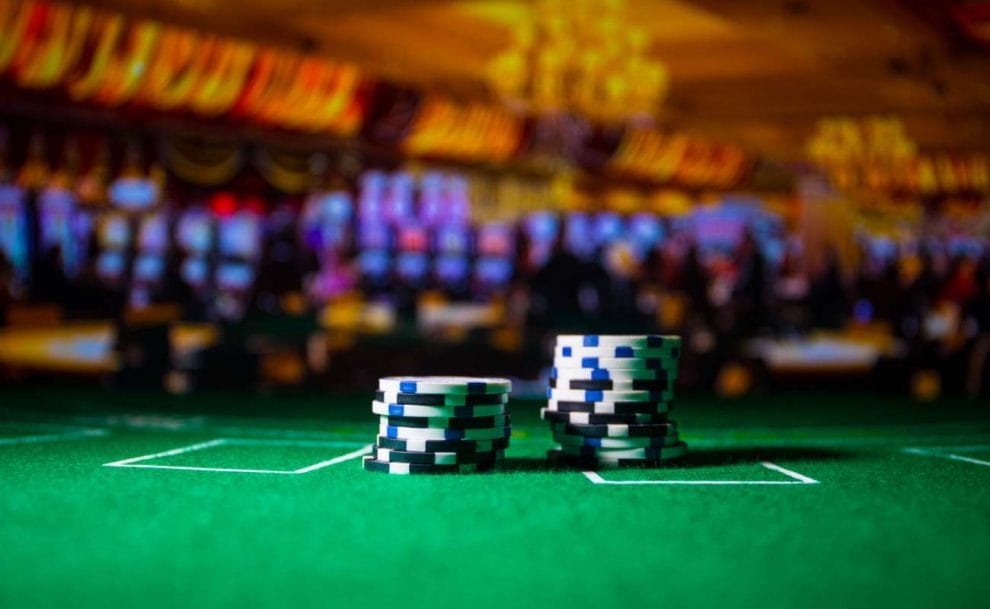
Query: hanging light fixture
[584,57]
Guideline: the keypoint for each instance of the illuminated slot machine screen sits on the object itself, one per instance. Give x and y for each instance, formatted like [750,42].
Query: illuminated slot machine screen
[240,236]
[62,225]
[607,228]
[452,270]
[114,235]
[493,272]
[458,198]
[578,236]
[963,246]
[149,265]
[400,198]
[153,234]
[325,221]
[235,276]
[375,266]
[412,267]
[432,202]
[371,199]
[541,228]
[133,194]
[452,239]
[114,232]
[718,229]
[374,236]
[452,266]
[645,232]
[412,260]
[13,228]
[496,249]
[194,236]
[338,211]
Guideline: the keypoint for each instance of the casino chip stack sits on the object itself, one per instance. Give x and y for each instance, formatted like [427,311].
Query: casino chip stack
[436,424]
[609,398]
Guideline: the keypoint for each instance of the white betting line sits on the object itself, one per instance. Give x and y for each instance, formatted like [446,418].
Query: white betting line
[797,479]
[354,454]
[136,462]
[167,453]
[941,452]
[967,459]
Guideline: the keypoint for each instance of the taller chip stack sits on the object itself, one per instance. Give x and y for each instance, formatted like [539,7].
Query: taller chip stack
[609,400]
[437,424]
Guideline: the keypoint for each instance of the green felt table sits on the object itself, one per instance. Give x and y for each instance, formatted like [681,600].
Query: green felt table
[219,500]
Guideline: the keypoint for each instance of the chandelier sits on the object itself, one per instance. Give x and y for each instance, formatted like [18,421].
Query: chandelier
[580,56]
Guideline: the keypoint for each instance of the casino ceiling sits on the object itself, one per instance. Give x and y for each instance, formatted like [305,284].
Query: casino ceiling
[759,73]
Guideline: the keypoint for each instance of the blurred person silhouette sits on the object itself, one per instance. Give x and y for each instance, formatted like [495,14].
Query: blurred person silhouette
[6,286]
[829,300]
[49,282]
[175,289]
[978,365]
[749,292]
[556,287]
[623,274]
[960,286]
[694,282]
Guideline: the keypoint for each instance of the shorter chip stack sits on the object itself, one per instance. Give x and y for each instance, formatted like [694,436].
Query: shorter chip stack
[437,424]
[609,400]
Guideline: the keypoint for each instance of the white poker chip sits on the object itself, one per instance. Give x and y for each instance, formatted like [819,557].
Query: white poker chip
[636,341]
[597,395]
[415,410]
[615,363]
[457,385]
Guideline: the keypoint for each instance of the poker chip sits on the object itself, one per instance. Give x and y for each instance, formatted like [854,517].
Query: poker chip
[642,341]
[586,418]
[606,395]
[448,422]
[437,458]
[442,399]
[567,439]
[442,433]
[564,352]
[441,424]
[448,385]
[604,374]
[415,410]
[560,458]
[609,399]
[374,465]
[613,385]
[616,430]
[609,407]
[615,363]
[595,452]
[443,446]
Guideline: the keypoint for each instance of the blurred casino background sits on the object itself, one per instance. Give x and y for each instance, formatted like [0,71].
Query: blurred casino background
[199,194]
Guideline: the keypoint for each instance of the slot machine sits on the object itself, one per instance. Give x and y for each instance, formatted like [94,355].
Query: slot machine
[452,263]
[14,229]
[577,235]
[541,229]
[374,259]
[645,233]
[195,237]
[114,234]
[412,263]
[239,239]
[63,225]
[149,260]
[494,265]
